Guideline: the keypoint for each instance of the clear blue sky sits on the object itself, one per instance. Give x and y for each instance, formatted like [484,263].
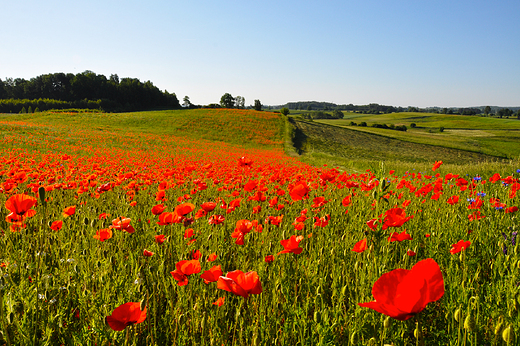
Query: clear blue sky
[453,53]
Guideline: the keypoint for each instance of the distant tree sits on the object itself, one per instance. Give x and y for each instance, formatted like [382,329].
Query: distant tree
[186,101]
[227,101]
[518,114]
[258,105]
[240,102]
[441,129]
[445,110]
[284,111]
[337,114]
[504,112]
[413,125]
[309,108]
[363,124]
[487,110]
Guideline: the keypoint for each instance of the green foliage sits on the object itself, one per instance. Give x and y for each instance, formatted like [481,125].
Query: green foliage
[413,125]
[284,111]
[227,101]
[79,90]
[258,105]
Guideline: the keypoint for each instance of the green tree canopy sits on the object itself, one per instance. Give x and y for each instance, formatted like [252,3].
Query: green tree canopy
[258,105]
[227,101]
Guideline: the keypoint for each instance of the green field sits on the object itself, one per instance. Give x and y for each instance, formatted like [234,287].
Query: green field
[195,227]
[486,135]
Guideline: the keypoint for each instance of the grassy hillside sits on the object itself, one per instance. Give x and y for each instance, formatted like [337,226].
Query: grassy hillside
[490,136]
[350,149]
[246,128]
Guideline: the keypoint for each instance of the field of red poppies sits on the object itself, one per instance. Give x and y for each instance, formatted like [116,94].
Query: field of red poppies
[128,234]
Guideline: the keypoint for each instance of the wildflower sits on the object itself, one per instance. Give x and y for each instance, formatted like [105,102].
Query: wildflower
[459,246]
[402,293]
[240,283]
[126,315]
[69,211]
[211,275]
[159,239]
[360,246]
[292,245]
[184,269]
[56,225]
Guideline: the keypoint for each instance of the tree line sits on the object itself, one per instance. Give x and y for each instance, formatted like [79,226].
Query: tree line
[83,90]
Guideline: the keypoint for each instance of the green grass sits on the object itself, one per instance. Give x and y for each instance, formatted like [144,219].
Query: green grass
[57,287]
[490,136]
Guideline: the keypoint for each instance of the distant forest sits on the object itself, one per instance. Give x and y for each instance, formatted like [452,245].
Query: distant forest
[374,108]
[83,90]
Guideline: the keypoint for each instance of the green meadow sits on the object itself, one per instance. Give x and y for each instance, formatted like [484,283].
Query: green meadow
[237,227]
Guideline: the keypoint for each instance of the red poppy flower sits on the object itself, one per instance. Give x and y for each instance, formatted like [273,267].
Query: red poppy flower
[459,246]
[240,283]
[212,257]
[411,253]
[242,228]
[103,234]
[436,165]
[216,219]
[126,315]
[69,211]
[292,245]
[20,207]
[147,253]
[395,236]
[244,161]
[56,225]
[211,275]
[402,293]
[299,192]
[158,209]
[208,206]
[123,224]
[103,216]
[347,201]
[322,221]
[167,218]
[220,301]
[395,217]
[188,233]
[184,269]
[195,254]
[360,246]
[184,209]
[453,200]
[159,239]
[269,258]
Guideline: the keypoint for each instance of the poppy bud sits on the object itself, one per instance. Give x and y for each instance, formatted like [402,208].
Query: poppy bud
[508,335]
[353,338]
[41,194]
[387,322]
[469,323]
[498,327]
[456,315]
[343,290]
[142,304]
[417,333]
[317,316]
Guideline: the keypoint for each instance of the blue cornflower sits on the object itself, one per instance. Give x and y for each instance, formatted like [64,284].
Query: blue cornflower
[481,194]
